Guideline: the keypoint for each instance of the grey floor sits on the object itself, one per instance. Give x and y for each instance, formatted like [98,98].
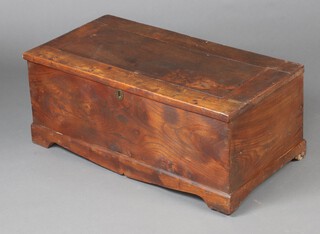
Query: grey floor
[55,191]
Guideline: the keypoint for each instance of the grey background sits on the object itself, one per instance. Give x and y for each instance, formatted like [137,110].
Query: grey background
[54,191]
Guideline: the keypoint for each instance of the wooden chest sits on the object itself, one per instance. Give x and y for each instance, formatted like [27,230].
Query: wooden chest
[168,109]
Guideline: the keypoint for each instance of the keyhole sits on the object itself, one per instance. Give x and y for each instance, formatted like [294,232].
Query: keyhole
[119,95]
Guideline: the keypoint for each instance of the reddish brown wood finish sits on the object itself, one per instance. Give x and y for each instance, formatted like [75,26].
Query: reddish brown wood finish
[195,116]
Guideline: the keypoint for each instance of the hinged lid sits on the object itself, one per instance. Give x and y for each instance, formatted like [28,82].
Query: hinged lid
[189,73]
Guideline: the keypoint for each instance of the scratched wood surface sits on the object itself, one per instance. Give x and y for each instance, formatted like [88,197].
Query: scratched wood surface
[179,70]
[195,116]
[180,142]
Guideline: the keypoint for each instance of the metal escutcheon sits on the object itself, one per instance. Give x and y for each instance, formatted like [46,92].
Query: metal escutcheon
[119,94]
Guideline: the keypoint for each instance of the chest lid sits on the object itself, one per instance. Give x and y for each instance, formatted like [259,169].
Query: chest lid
[175,69]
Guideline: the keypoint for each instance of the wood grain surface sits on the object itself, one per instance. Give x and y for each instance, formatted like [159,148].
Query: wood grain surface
[192,74]
[180,142]
[266,131]
[168,109]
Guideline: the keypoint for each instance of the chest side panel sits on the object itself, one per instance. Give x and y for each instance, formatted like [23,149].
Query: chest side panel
[183,143]
[266,132]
